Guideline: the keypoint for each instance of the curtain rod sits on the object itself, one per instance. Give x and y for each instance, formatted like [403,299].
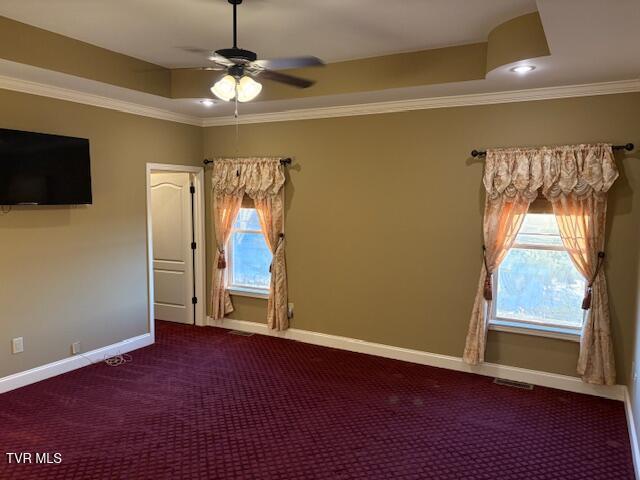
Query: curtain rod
[628,147]
[283,161]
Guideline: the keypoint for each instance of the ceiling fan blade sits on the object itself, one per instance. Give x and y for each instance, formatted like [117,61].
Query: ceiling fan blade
[217,68]
[219,59]
[195,50]
[291,62]
[212,55]
[286,79]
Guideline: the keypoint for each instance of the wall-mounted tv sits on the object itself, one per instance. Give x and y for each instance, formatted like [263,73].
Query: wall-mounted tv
[41,169]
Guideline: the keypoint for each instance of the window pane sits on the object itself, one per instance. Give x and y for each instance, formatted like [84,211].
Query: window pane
[540,285]
[247,220]
[251,260]
[531,239]
[539,229]
[540,223]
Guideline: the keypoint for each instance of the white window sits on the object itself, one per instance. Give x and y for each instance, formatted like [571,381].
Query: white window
[537,287]
[248,256]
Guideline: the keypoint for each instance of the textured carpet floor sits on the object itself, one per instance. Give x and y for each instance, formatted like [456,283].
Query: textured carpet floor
[204,404]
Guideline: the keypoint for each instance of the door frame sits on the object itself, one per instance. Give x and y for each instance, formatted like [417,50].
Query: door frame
[200,272]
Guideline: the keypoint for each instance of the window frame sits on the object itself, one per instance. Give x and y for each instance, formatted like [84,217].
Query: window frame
[541,328]
[239,289]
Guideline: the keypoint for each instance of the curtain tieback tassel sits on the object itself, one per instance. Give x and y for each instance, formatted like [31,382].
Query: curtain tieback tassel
[280,239]
[222,262]
[586,301]
[488,288]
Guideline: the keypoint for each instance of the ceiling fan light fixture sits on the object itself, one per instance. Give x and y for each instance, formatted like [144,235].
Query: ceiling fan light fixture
[248,89]
[238,61]
[225,88]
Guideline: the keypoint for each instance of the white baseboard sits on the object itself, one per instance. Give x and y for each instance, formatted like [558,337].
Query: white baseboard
[65,365]
[535,377]
[633,434]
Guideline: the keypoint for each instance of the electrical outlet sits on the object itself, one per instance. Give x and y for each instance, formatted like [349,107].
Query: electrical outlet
[75,348]
[17,345]
[290,310]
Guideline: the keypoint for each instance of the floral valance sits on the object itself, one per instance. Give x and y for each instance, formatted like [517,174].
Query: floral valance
[255,177]
[578,169]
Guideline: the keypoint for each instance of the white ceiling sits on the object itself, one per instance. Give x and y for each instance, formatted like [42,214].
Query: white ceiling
[590,41]
[157,30]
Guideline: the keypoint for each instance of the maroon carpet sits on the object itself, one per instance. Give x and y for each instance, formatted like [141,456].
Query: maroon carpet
[204,404]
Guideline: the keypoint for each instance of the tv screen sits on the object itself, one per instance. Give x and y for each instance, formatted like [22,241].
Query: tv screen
[41,169]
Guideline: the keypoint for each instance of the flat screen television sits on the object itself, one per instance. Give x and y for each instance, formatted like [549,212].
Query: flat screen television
[42,169]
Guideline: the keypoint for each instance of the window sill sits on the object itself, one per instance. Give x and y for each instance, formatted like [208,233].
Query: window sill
[562,333]
[247,292]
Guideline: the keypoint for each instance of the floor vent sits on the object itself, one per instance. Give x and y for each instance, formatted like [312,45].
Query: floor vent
[512,383]
[240,333]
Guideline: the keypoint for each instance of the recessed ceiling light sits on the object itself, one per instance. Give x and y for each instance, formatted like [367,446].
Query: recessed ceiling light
[523,69]
[207,102]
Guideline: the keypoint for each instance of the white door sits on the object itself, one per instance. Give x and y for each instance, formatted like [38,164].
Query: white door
[172,253]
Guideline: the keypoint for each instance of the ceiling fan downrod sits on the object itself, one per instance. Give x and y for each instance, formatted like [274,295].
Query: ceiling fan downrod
[234,52]
[241,67]
[235,4]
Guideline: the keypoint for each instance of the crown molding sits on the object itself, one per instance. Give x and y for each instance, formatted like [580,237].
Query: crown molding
[59,93]
[545,93]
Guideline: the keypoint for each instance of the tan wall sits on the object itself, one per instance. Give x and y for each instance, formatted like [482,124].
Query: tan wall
[425,67]
[79,273]
[383,225]
[518,39]
[27,44]
[633,381]
[384,220]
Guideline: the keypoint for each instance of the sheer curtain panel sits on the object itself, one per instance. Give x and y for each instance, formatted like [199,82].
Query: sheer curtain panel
[575,179]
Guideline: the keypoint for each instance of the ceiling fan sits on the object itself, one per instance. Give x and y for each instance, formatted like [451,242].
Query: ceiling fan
[242,67]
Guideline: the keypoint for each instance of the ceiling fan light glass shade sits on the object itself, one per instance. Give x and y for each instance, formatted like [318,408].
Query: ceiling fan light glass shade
[248,89]
[225,88]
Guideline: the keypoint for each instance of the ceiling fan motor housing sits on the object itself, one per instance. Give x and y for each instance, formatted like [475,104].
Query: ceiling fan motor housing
[238,54]
[239,62]
[236,71]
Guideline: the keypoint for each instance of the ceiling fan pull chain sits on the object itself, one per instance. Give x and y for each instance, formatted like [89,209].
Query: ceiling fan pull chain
[235,114]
